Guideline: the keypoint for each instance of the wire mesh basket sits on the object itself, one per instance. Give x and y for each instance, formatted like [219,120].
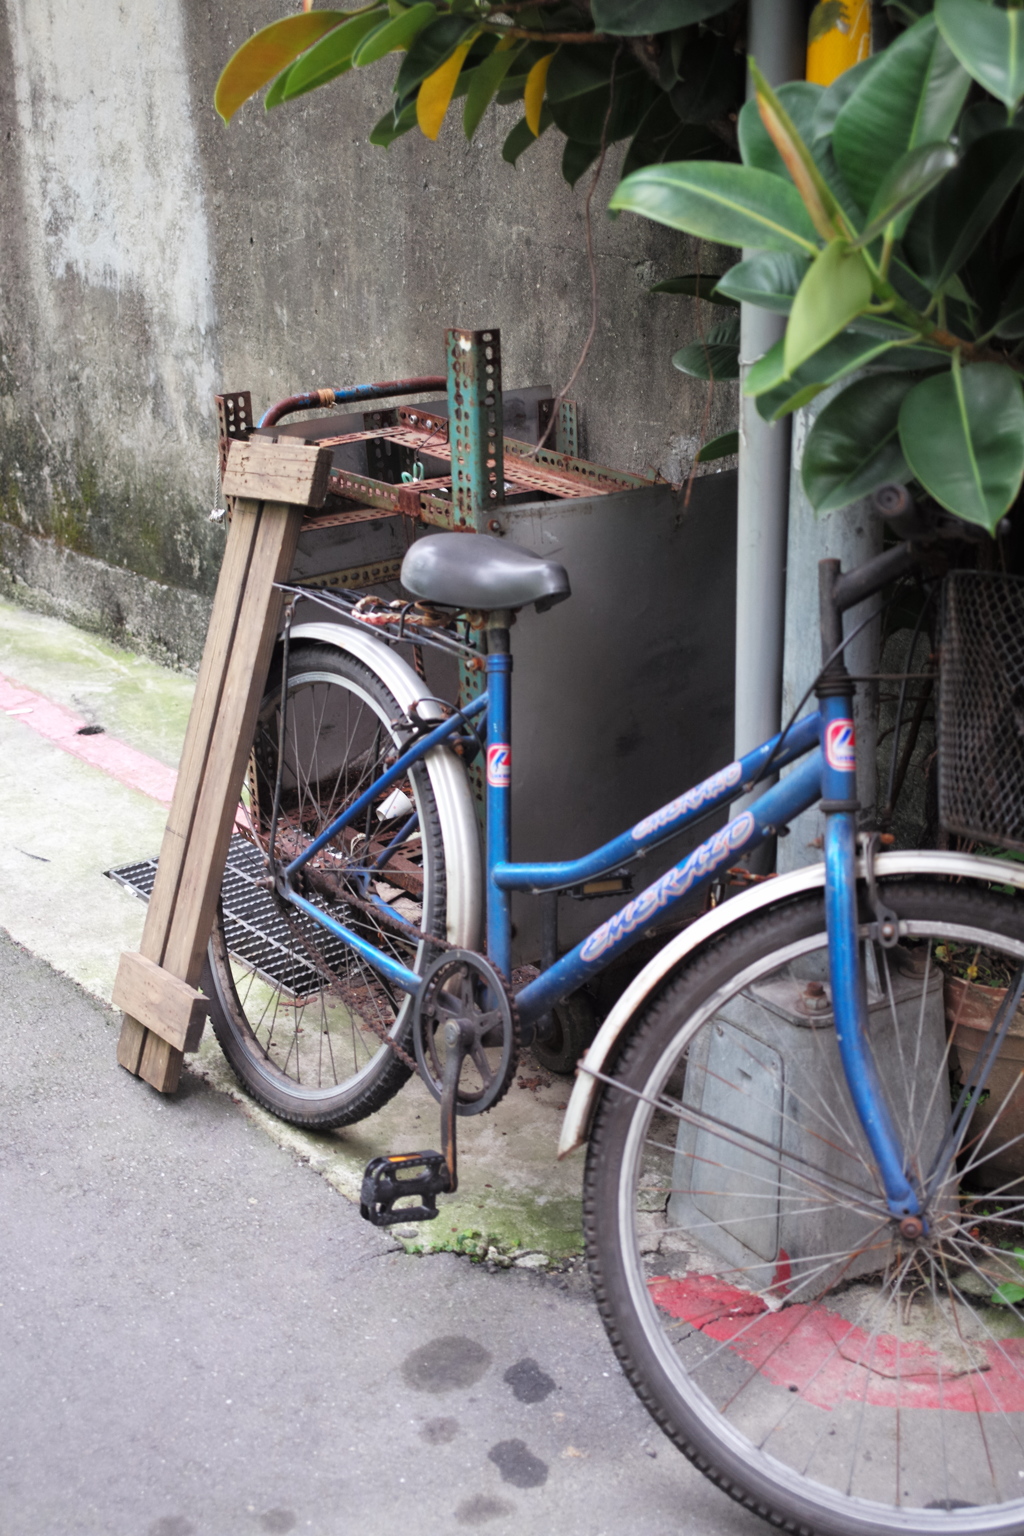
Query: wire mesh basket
[981,707]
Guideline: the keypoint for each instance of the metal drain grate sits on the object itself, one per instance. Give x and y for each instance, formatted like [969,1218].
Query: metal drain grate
[257,934]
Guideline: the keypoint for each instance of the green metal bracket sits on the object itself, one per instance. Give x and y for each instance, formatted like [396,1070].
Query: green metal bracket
[475,426]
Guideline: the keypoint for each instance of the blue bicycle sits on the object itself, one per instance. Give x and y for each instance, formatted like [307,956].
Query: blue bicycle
[805,1180]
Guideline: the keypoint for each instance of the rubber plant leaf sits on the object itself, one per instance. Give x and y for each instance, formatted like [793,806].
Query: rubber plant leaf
[824,210]
[486,79]
[577,158]
[330,57]
[853,446]
[266,53]
[835,290]
[437,90]
[719,447]
[957,217]
[394,35]
[989,42]
[716,357]
[389,128]
[639,18]
[912,95]
[429,50]
[522,136]
[533,93]
[716,200]
[962,433]
[778,395]
[768,280]
[800,99]
[911,178]
[696,285]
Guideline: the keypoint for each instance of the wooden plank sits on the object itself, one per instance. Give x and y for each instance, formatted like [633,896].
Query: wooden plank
[155,998]
[289,472]
[240,643]
[244,685]
[202,723]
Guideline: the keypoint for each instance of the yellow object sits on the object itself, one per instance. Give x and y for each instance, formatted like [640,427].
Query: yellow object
[436,92]
[838,37]
[533,93]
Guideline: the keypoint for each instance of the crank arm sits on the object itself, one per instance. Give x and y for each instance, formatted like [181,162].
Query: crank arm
[455,1045]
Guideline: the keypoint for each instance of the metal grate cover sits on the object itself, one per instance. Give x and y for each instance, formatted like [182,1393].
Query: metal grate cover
[255,930]
[981,707]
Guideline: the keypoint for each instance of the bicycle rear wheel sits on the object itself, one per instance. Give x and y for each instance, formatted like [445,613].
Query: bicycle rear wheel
[304,1021]
[823,1369]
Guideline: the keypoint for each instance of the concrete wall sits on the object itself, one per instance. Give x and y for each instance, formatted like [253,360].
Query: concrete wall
[149,257]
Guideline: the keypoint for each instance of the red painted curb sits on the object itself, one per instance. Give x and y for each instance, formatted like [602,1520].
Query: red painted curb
[61,726]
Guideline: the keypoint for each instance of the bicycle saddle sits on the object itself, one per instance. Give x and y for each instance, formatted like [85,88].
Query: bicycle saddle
[474,570]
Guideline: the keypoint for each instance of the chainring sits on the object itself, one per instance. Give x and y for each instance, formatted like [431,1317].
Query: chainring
[465,987]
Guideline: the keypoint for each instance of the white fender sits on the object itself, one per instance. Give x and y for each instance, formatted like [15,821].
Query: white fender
[459,828]
[582,1100]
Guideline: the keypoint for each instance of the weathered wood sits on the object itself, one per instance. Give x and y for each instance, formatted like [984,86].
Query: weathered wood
[288,472]
[232,679]
[153,997]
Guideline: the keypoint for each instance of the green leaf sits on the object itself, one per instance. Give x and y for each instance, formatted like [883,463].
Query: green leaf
[800,99]
[950,224]
[1011,317]
[395,33]
[429,50]
[777,395]
[701,360]
[486,79]
[962,434]
[389,128]
[577,158]
[989,43]
[1009,1294]
[911,178]
[769,280]
[912,96]
[719,447]
[835,290]
[275,95]
[522,136]
[266,53]
[834,98]
[696,285]
[716,357]
[853,446]
[639,18]
[579,92]
[731,204]
[331,57]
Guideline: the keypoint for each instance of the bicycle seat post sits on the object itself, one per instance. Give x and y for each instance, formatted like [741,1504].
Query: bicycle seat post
[499,785]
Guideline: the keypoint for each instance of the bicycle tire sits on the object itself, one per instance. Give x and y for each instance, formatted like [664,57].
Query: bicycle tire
[828,1374]
[291,1006]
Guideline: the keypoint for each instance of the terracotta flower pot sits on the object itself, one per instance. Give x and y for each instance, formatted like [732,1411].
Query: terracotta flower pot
[970,1011]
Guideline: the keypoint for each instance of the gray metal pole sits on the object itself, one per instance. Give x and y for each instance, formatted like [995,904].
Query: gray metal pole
[777,39]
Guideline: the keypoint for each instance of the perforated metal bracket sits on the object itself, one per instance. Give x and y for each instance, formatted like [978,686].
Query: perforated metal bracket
[475,425]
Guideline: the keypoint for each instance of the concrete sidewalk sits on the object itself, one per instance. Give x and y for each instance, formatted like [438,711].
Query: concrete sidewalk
[201,1339]
[76,805]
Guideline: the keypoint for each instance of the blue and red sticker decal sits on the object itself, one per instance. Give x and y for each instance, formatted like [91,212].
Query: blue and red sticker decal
[841,746]
[499,765]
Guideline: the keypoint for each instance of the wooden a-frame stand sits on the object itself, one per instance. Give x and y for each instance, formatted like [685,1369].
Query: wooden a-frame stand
[270,484]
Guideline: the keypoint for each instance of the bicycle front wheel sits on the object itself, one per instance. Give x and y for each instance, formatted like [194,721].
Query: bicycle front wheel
[306,1024]
[830,1371]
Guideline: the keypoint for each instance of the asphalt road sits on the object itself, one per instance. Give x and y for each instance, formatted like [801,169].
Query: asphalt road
[200,1337]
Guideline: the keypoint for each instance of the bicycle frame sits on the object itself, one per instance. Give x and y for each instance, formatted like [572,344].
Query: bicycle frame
[824,738]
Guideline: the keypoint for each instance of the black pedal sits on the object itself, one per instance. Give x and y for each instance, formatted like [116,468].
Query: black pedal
[388,1179]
